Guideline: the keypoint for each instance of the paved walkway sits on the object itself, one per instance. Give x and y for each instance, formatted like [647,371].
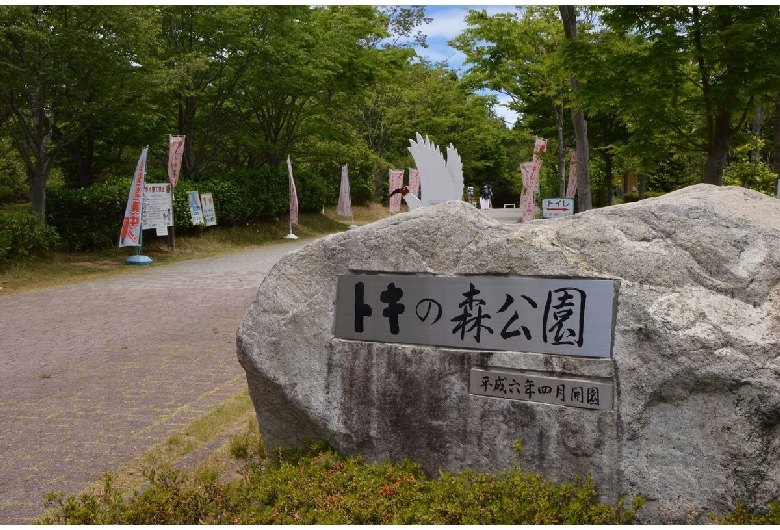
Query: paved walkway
[92,375]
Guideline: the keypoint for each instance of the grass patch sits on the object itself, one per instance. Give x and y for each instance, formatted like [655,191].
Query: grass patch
[135,475]
[63,268]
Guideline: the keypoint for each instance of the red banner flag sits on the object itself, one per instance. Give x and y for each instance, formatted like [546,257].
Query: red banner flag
[414,182]
[293,195]
[571,189]
[175,152]
[527,205]
[130,236]
[396,182]
[344,208]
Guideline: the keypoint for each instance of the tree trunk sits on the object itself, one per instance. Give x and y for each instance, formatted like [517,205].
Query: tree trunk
[82,157]
[569,17]
[189,166]
[608,175]
[758,122]
[642,181]
[561,150]
[718,152]
[776,138]
[38,197]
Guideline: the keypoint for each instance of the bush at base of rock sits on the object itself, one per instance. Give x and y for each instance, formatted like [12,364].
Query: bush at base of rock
[314,485]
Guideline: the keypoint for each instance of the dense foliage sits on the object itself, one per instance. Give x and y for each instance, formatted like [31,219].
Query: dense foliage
[669,93]
[21,236]
[313,484]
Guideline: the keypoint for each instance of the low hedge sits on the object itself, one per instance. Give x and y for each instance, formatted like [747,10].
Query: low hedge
[316,485]
[22,236]
[91,218]
[634,196]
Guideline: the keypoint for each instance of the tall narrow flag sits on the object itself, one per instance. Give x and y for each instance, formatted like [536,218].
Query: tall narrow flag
[571,189]
[293,195]
[414,182]
[175,152]
[130,236]
[396,181]
[530,172]
[344,208]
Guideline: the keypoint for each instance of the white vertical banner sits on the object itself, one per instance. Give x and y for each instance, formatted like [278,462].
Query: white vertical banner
[293,195]
[175,152]
[344,208]
[196,212]
[414,182]
[130,236]
[527,170]
[571,188]
[540,145]
[396,182]
[209,215]
[527,205]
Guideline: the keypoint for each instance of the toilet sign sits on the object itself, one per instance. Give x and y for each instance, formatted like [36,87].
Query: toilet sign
[557,208]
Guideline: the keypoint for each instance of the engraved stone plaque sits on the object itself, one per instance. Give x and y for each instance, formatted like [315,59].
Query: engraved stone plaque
[528,387]
[561,316]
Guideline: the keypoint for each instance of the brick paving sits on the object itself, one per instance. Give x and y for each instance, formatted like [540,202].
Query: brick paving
[94,374]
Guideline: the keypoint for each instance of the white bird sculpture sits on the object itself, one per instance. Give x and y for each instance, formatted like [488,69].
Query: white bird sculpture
[440,180]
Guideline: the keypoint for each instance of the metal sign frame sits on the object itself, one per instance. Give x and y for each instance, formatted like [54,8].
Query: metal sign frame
[563,316]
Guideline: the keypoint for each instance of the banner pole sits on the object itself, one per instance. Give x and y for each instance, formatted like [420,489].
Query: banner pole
[139,259]
[172,233]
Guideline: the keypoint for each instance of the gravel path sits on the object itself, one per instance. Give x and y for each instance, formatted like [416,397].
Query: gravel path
[92,375]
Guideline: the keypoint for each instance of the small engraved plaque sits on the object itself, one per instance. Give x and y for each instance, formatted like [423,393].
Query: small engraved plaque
[528,387]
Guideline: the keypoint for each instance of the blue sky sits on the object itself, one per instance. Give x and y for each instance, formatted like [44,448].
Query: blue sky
[448,22]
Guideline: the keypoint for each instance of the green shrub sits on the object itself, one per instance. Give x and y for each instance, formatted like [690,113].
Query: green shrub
[7,194]
[22,236]
[311,191]
[634,196]
[89,218]
[741,515]
[314,485]
[747,173]
[362,191]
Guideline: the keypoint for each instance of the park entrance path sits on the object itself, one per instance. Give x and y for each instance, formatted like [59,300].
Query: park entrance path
[92,375]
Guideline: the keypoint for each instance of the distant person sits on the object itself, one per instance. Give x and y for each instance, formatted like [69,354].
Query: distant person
[470,194]
[486,198]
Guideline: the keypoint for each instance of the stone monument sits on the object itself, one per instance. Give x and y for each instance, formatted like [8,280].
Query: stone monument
[638,344]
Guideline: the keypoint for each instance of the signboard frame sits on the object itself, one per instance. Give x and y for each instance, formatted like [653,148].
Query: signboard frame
[557,207]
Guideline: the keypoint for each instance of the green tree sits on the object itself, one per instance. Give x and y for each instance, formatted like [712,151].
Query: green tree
[65,66]
[516,54]
[208,51]
[569,17]
[307,64]
[699,74]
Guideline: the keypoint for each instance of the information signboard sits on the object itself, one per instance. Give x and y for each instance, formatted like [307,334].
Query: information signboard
[557,208]
[158,207]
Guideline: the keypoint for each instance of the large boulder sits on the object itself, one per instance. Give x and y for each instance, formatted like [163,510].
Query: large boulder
[695,365]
